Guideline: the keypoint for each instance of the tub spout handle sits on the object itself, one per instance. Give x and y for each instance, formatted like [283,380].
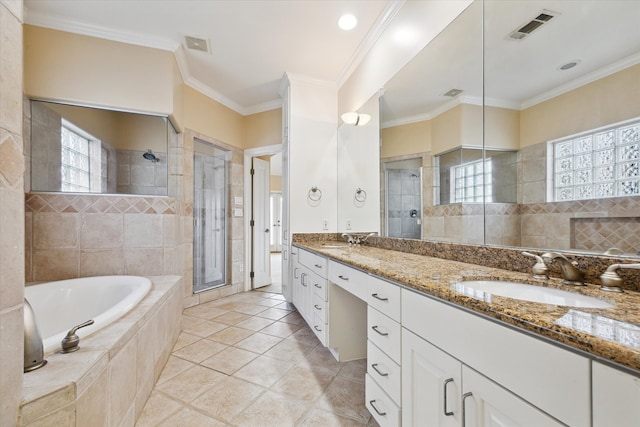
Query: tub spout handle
[71,342]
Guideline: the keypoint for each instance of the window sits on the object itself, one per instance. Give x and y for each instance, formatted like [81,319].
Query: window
[80,164]
[471,182]
[597,164]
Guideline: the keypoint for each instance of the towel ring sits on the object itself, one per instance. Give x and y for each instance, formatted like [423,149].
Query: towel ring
[314,194]
[360,195]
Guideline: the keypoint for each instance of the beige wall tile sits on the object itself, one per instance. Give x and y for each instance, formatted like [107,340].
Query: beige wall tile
[101,262]
[11,159]
[92,404]
[143,261]
[11,68]
[100,231]
[11,247]
[48,404]
[142,231]
[55,264]
[11,362]
[122,382]
[56,230]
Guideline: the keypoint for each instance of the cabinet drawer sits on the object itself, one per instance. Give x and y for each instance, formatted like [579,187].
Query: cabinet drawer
[319,286]
[385,372]
[319,327]
[386,413]
[384,332]
[319,307]
[349,279]
[384,297]
[313,262]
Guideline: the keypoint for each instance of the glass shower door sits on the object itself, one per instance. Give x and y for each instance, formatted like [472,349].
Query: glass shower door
[209,214]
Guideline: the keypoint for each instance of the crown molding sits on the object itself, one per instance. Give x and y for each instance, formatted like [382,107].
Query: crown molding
[299,78]
[61,24]
[617,66]
[382,22]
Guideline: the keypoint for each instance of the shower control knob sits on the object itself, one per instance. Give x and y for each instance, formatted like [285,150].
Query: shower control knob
[266,231]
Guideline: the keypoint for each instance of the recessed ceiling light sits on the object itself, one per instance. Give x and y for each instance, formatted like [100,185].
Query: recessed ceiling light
[347,22]
[569,65]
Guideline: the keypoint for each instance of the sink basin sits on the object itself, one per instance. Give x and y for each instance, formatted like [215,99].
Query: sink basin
[335,245]
[482,288]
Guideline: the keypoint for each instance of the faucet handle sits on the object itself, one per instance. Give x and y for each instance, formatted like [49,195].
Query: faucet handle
[611,281]
[540,268]
[71,342]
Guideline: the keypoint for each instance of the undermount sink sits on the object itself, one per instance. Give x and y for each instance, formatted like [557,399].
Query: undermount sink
[520,291]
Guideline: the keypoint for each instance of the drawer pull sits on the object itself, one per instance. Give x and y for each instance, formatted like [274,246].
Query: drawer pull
[303,276]
[447,381]
[343,277]
[375,328]
[379,298]
[372,403]
[316,328]
[464,415]
[382,374]
[317,265]
[318,286]
[317,307]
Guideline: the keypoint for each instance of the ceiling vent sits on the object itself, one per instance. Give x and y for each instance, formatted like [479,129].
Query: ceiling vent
[524,31]
[453,92]
[196,43]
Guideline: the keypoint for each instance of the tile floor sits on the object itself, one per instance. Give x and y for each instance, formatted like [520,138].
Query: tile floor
[251,360]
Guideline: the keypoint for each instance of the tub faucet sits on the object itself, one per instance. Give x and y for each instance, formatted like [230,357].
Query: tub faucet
[33,348]
[572,276]
[611,281]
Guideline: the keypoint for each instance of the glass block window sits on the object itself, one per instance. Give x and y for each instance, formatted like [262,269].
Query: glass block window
[599,164]
[471,182]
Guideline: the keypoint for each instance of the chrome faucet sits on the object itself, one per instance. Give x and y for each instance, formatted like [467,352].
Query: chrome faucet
[611,281]
[33,347]
[356,239]
[539,269]
[572,276]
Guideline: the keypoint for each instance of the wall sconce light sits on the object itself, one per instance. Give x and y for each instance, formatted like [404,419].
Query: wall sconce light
[356,119]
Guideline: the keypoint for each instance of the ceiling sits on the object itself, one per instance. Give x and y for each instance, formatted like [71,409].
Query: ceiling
[252,42]
[603,34]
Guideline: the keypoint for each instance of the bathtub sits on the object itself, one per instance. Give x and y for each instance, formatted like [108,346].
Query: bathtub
[59,306]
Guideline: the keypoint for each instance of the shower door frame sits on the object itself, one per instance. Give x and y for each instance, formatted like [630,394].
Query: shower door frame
[225,154]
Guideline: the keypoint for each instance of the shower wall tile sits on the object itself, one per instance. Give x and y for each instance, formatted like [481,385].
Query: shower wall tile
[56,230]
[143,261]
[143,231]
[55,264]
[100,231]
[101,262]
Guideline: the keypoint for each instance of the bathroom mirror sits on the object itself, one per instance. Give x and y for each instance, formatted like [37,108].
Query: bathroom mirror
[89,150]
[569,78]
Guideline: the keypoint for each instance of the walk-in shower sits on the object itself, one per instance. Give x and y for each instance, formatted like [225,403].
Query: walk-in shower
[209,216]
[403,207]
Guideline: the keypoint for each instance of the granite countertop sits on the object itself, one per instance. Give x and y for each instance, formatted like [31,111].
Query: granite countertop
[609,334]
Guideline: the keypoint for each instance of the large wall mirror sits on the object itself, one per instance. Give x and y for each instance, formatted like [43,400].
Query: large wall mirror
[89,150]
[530,140]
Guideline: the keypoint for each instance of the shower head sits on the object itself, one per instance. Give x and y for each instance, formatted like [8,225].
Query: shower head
[150,156]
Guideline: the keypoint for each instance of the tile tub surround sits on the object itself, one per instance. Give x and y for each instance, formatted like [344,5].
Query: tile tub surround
[250,359]
[434,277]
[108,380]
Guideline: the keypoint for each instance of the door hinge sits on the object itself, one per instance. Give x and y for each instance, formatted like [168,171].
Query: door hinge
[252,275]
[252,223]
[252,171]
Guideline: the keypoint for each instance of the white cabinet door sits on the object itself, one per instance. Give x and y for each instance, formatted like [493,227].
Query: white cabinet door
[616,397]
[486,404]
[431,384]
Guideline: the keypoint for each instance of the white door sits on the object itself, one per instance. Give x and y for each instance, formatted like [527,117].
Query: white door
[276,222]
[261,262]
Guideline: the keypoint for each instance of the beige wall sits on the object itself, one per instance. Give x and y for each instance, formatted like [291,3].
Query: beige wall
[609,100]
[11,211]
[263,129]
[406,139]
[207,116]
[100,123]
[446,130]
[91,71]
[141,132]
[502,128]
[275,183]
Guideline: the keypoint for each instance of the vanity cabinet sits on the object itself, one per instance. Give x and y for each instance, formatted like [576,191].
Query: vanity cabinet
[543,377]
[310,291]
[616,397]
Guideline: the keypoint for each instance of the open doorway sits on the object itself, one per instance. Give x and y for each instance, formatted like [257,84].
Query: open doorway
[265,223]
